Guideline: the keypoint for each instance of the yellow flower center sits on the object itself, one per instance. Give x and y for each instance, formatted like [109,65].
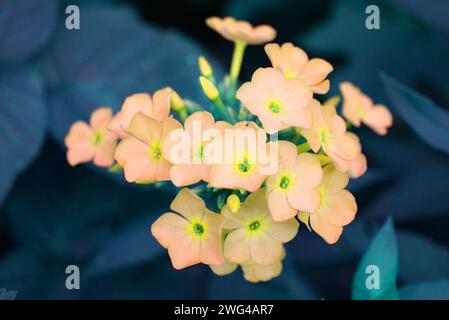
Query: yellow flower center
[255,226]
[274,106]
[96,138]
[360,112]
[323,197]
[324,136]
[290,74]
[155,151]
[198,230]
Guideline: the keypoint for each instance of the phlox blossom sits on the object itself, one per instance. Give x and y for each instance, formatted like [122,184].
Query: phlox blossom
[141,154]
[359,108]
[328,131]
[295,185]
[337,208]
[239,157]
[295,63]
[253,234]
[92,141]
[192,236]
[241,31]
[186,149]
[278,102]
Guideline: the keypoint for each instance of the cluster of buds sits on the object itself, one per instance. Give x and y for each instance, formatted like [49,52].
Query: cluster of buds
[261,159]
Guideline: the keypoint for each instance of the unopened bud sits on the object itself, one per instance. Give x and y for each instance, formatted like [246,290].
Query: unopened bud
[209,89]
[205,68]
[233,203]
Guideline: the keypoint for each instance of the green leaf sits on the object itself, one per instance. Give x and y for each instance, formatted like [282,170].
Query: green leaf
[22,123]
[428,120]
[381,256]
[430,290]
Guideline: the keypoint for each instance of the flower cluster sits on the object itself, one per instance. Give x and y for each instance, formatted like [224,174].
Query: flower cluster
[262,158]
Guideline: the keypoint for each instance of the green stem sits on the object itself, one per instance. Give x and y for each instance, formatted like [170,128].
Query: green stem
[348,124]
[304,147]
[237,58]
[222,109]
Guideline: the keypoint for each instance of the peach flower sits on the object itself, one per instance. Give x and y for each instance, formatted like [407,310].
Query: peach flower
[337,208]
[278,102]
[192,237]
[359,108]
[242,31]
[254,236]
[86,142]
[295,185]
[198,133]
[156,107]
[295,63]
[329,132]
[141,154]
[240,163]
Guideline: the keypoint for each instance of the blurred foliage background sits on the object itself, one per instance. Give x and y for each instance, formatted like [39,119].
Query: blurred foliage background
[52,215]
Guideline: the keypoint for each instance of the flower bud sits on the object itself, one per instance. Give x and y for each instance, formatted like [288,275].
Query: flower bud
[205,68]
[177,103]
[209,89]
[233,203]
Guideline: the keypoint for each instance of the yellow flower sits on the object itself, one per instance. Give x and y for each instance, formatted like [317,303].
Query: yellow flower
[241,31]
[192,237]
[359,108]
[337,208]
[328,131]
[295,63]
[254,236]
[278,102]
[295,185]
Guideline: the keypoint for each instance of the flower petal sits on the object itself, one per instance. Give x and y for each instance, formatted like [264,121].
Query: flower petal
[168,228]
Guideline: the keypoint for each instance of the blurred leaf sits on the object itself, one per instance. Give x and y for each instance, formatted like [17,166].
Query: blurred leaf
[105,61]
[25,26]
[431,290]
[154,280]
[34,276]
[22,123]
[69,212]
[428,120]
[130,246]
[24,272]
[421,259]
[434,12]
[289,285]
[363,53]
[383,254]
[417,194]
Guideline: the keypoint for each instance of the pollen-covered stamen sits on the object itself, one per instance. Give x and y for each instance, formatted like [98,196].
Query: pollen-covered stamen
[198,229]
[254,225]
[244,166]
[274,107]
[324,136]
[155,151]
[285,181]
